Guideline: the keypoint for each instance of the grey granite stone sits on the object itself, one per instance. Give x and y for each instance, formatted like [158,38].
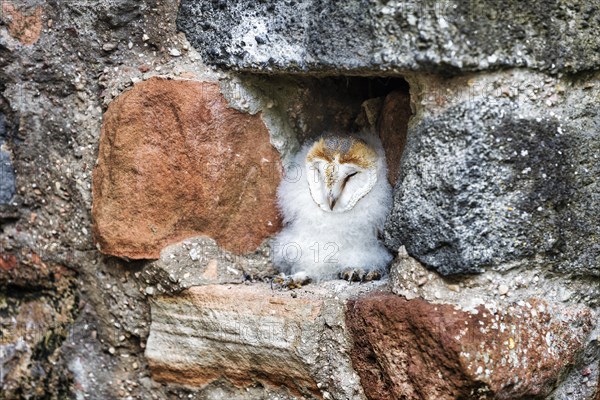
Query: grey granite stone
[390,36]
[494,181]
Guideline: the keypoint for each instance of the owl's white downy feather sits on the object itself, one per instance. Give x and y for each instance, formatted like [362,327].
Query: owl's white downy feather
[320,244]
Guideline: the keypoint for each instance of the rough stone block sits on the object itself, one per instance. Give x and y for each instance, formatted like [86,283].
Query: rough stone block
[200,261]
[412,349]
[174,162]
[251,333]
[379,36]
[490,177]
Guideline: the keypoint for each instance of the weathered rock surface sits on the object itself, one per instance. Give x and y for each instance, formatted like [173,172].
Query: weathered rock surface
[378,36]
[7,177]
[7,173]
[497,290]
[200,261]
[26,269]
[24,23]
[37,305]
[412,349]
[393,128]
[251,333]
[500,169]
[174,162]
[411,279]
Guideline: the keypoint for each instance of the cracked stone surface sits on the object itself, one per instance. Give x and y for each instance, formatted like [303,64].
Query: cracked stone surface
[412,349]
[499,171]
[174,162]
[297,339]
[380,36]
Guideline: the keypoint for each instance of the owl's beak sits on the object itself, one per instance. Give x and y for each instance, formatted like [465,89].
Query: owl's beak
[331,200]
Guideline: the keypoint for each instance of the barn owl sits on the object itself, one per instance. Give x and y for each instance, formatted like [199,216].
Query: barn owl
[334,199]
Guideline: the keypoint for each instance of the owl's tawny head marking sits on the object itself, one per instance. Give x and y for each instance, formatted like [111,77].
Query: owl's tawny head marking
[340,171]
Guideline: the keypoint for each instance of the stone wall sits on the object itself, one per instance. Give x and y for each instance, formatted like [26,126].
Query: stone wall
[141,144]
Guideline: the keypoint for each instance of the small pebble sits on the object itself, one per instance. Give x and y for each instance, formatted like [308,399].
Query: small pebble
[502,290]
[109,46]
[174,52]
[454,288]
[409,295]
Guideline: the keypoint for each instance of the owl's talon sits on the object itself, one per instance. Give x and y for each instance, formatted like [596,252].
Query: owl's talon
[351,275]
[296,282]
[359,275]
[290,282]
[346,275]
[372,276]
[277,280]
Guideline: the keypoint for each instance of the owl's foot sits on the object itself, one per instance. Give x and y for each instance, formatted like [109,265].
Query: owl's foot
[295,281]
[359,275]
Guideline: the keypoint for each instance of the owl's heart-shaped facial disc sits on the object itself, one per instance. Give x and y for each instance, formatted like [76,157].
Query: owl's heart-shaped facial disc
[340,171]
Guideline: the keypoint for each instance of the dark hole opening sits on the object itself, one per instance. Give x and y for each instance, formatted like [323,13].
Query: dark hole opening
[343,104]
